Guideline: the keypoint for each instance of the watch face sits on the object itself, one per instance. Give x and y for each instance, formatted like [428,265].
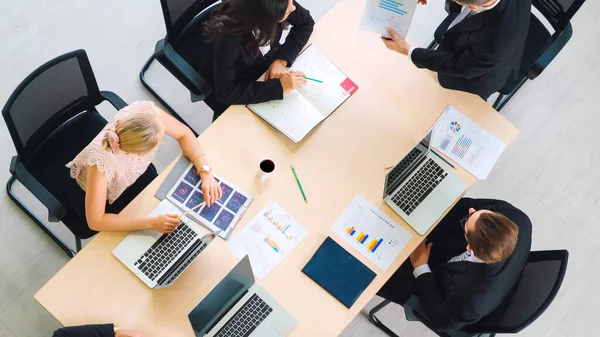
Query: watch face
[206,168]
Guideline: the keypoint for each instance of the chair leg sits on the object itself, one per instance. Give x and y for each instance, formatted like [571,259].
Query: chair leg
[159,97]
[375,321]
[35,219]
[499,103]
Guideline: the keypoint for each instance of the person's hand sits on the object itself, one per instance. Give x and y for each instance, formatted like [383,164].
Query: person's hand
[276,70]
[129,333]
[211,189]
[292,81]
[165,223]
[420,255]
[423,2]
[397,43]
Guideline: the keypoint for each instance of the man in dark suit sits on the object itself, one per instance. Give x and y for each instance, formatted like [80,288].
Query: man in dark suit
[481,48]
[469,264]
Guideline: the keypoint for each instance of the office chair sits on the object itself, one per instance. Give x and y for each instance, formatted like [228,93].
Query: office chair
[183,21]
[541,46]
[51,117]
[540,281]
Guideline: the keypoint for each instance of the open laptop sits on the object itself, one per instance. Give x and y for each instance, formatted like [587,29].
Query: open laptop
[238,307]
[158,259]
[422,186]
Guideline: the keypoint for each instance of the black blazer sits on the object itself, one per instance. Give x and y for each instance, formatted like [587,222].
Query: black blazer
[480,53]
[105,330]
[232,66]
[458,294]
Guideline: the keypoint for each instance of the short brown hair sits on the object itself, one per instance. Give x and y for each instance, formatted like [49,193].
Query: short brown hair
[494,237]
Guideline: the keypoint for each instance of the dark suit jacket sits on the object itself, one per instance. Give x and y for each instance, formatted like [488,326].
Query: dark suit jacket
[105,330]
[233,67]
[480,53]
[458,294]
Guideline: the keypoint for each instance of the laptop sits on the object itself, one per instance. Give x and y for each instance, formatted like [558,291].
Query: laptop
[238,307]
[422,186]
[158,259]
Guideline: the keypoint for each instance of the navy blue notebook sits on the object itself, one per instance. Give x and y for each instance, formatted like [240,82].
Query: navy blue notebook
[338,272]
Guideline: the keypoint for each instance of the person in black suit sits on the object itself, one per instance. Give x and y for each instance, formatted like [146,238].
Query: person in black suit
[98,330]
[245,37]
[469,264]
[481,48]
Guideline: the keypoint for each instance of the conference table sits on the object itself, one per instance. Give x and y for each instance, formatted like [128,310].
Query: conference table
[343,157]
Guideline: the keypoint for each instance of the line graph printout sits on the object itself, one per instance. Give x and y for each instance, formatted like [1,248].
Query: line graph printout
[466,143]
[379,15]
[371,232]
[267,239]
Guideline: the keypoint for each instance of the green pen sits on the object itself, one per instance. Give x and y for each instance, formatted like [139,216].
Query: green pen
[313,79]
[299,184]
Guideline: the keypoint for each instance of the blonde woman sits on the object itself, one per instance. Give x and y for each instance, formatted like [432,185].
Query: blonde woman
[116,166]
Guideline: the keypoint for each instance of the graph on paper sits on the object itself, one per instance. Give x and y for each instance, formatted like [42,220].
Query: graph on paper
[379,15]
[371,232]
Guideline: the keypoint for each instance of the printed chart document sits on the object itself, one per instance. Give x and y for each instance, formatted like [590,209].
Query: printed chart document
[302,110]
[466,143]
[267,239]
[379,15]
[371,232]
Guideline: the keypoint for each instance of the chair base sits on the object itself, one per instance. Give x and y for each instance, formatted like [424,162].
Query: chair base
[159,97]
[375,321]
[39,222]
[503,99]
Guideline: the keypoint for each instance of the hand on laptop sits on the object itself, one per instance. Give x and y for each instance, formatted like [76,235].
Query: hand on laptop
[165,223]
[129,333]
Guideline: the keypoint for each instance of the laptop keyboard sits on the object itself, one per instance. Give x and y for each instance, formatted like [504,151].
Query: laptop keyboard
[419,186]
[403,165]
[250,315]
[156,259]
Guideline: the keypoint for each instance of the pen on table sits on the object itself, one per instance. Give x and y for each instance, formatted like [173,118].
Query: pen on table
[313,79]
[442,158]
[299,184]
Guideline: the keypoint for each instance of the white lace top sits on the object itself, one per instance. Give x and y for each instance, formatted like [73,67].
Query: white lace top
[121,169]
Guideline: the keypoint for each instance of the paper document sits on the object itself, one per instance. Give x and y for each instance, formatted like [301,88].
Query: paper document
[302,110]
[371,232]
[379,15]
[466,143]
[267,239]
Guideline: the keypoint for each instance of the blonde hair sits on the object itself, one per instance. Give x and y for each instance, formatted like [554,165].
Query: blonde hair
[138,133]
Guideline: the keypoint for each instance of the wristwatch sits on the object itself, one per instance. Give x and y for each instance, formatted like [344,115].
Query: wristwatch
[116,329]
[205,169]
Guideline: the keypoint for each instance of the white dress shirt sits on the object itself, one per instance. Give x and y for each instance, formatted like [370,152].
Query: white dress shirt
[466,256]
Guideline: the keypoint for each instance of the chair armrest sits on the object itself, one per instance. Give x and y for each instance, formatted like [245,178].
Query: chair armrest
[188,75]
[113,99]
[557,45]
[413,309]
[56,211]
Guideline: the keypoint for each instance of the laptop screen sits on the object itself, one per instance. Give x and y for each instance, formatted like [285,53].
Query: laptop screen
[223,296]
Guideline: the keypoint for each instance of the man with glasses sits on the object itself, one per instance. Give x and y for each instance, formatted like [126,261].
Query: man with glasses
[468,264]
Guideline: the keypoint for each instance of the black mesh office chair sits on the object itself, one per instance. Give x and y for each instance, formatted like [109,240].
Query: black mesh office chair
[177,51]
[541,46]
[540,282]
[51,117]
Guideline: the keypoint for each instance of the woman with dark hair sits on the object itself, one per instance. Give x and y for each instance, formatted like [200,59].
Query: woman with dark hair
[244,36]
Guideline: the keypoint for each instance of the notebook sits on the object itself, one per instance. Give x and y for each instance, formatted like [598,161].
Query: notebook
[302,110]
[338,272]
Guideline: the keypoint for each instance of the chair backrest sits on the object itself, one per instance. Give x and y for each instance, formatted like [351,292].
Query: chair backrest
[48,97]
[540,281]
[179,13]
[558,12]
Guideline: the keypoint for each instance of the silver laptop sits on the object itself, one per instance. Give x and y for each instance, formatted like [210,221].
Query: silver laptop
[422,186]
[158,259]
[238,307]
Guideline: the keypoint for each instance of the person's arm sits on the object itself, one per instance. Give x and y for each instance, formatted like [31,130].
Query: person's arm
[227,88]
[99,220]
[302,28]
[191,148]
[104,330]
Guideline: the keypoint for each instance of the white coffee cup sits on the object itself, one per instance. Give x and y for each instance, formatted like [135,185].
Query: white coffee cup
[265,170]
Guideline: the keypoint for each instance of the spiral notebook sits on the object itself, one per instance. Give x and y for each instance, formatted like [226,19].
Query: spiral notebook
[302,110]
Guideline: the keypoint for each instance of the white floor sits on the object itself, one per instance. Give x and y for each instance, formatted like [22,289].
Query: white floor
[551,171]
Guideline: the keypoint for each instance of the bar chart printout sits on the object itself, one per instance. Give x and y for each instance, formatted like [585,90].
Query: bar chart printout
[371,232]
[379,15]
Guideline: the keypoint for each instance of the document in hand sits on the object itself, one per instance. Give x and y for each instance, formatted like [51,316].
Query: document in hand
[379,15]
[302,110]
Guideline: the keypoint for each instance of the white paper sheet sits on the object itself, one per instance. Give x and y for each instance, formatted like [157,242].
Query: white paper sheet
[371,232]
[379,15]
[466,143]
[267,239]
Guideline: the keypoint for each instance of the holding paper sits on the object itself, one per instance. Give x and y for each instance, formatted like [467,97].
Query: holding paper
[379,15]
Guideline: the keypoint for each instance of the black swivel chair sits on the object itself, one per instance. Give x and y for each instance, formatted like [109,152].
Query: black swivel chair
[51,117]
[176,52]
[541,46]
[540,282]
